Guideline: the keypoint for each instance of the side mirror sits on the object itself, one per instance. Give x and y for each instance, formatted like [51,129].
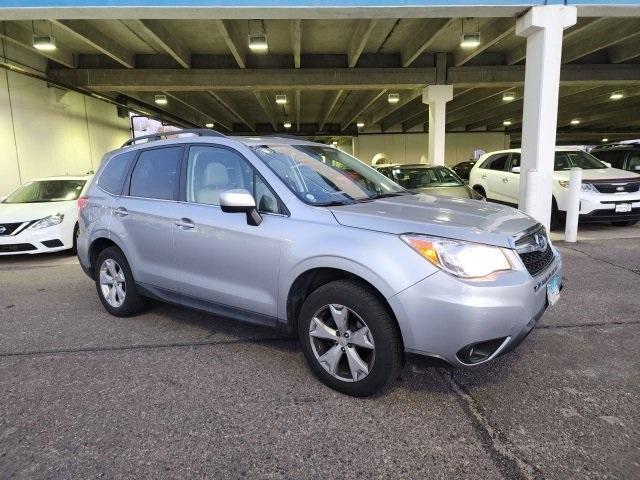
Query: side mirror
[607,164]
[636,168]
[515,170]
[240,201]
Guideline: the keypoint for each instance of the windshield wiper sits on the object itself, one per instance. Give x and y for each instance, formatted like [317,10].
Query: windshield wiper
[334,203]
[390,194]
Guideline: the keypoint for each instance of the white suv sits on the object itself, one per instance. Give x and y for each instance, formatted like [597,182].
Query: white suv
[608,194]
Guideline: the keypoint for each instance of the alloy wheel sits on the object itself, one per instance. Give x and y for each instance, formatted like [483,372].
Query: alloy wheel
[342,343]
[112,283]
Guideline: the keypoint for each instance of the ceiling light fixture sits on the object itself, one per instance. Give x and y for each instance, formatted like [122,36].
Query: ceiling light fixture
[470,40]
[605,140]
[508,96]
[287,124]
[360,124]
[334,143]
[616,96]
[281,99]
[506,123]
[44,42]
[209,125]
[160,99]
[575,121]
[258,37]
[393,98]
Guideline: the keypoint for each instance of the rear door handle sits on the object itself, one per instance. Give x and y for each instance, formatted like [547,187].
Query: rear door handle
[484,176]
[185,224]
[121,212]
[505,180]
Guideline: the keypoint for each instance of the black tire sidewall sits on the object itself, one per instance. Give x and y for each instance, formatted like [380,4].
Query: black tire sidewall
[382,326]
[133,301]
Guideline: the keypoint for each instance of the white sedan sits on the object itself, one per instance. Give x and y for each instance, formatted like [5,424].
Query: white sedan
[41,216]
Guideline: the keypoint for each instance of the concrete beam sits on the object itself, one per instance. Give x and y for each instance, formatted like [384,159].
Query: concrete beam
[234,111]
[96,39]
[298,108]
[359,40]
[18,35]
[362,106]
[598,36]
[296,41]
[491,34]
[388,109]
[624,52]
[411,109]
[167,42]
[236,79]
[266,106]
[424,38]
[332,101]
[175,108]
[234,41]
[200,103]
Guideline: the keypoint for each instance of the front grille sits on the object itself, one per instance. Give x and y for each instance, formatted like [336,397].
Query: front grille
[9,228]
[616,187]
[536,262]
[17,247]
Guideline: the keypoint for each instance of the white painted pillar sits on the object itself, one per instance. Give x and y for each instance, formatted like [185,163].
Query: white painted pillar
[437,96]
[543,27]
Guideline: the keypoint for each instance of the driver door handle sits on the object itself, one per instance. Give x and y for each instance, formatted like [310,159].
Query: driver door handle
[505,180]
[185,224]
[121,212]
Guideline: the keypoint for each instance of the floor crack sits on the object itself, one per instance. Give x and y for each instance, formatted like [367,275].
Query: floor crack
[593,324]
[509,463]
[632,270]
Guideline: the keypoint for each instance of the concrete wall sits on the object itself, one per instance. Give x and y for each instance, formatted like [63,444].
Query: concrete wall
[409,147]
[47,131]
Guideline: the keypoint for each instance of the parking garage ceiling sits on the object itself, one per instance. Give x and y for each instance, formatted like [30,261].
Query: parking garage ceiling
[336,73]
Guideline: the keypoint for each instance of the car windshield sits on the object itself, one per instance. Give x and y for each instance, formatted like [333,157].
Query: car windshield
[421,177]
[568,160]
[47,191]
[321,175]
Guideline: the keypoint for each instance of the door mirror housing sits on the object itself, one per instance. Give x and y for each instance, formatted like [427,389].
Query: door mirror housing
[240,201]
[515,170]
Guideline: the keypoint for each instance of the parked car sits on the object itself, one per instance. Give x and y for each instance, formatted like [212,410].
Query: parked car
[625,156]
[434,180]
[300,236]
[41,216]
[463,169]
[608,194]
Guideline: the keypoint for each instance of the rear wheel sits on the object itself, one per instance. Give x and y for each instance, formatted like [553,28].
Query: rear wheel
[349,338]
[115,285]
[76,233]
[624,223]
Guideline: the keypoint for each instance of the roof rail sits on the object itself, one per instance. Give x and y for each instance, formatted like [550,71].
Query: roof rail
[203,132]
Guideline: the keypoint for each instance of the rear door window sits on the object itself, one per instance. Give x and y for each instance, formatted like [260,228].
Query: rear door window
[497,162]
[615,158]
[115,171]
[156,173]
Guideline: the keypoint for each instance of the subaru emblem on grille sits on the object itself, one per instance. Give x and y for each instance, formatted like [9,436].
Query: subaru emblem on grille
[541,242]
[620,189]
[2,230]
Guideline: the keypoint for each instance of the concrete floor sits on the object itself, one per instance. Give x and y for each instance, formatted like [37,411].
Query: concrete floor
[177,393]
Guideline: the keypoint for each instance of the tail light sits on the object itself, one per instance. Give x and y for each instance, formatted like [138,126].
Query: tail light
[82,202]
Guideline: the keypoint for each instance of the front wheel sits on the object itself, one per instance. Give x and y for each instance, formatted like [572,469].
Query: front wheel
[115,284]
[350,339]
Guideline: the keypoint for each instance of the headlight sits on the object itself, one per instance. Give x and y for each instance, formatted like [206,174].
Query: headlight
[585,187]
[49,221]
[459,258]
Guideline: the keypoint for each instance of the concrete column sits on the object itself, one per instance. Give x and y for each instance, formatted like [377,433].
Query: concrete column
[437,96]
[543,27]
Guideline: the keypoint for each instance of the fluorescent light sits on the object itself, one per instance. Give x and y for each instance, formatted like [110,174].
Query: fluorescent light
[161,99]
[605,140]
[575,121]
[258,43]
[209,125]
[508,96]
[334,143]
[281,99]
[506,123]
[470,40]
[616,96]
[44,42]
[287,124]
[360,124]
[393,98]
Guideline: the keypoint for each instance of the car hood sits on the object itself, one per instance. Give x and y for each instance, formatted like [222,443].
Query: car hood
[23,212]
[462,219]
[461,191]
[599,174]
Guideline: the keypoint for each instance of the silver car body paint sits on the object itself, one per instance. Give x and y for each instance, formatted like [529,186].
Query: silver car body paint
[249,269]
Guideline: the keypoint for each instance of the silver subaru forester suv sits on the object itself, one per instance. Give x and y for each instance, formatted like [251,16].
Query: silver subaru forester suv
[302,237]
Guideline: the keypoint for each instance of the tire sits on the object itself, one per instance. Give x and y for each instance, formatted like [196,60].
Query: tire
[132,302]
[76,232]
[624,223]
[480,190]
[364,310]
[556,220]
